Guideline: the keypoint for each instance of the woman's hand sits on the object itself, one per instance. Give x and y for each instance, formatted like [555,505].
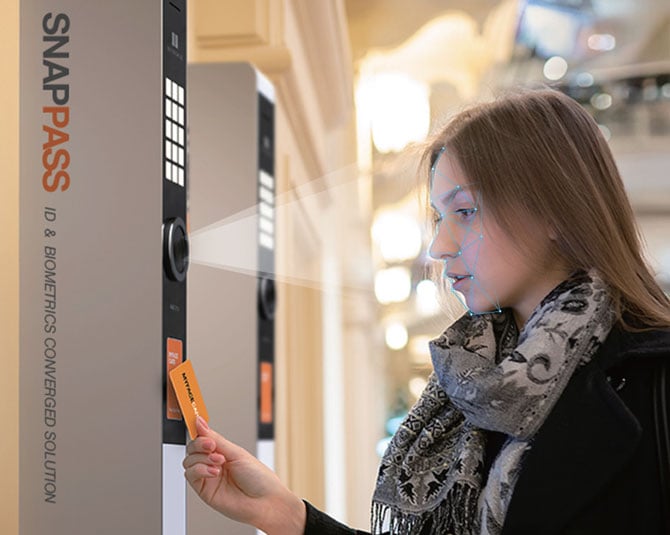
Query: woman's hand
[235,483]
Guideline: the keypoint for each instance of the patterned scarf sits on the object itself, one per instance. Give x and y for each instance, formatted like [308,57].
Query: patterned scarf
[486,376]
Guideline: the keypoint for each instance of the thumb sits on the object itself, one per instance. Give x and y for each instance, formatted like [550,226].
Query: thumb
[229,450]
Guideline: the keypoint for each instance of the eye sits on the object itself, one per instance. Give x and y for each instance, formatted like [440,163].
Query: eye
[465,214]
[437,217]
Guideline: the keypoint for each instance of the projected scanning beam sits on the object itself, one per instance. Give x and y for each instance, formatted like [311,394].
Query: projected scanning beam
[462,219]
[228,244]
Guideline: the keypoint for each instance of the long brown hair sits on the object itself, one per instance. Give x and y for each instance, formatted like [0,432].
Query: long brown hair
[538,153]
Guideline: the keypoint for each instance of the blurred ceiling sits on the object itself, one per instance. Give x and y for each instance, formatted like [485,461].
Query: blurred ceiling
[641,26]
[465,49]
[388,23]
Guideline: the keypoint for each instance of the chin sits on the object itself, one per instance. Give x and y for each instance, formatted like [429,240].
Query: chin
[479,305]
[483,310]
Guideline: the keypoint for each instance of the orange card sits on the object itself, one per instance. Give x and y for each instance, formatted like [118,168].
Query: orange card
[188,395]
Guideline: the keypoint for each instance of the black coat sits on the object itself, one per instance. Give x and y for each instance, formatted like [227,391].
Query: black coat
[593,465]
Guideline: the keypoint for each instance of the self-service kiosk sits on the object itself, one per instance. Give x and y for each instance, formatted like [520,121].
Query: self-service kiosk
[231,292]
[121,154]
[103,260]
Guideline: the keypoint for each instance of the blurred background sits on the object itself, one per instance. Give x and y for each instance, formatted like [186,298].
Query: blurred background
[416,64]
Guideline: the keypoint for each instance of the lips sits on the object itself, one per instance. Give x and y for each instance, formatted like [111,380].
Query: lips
[457,278]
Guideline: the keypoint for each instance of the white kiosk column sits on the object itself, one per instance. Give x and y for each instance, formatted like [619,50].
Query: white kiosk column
[103,257]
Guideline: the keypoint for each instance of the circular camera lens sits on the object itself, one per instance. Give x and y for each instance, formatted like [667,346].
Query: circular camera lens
[267,300]
[180,246]
[176,249]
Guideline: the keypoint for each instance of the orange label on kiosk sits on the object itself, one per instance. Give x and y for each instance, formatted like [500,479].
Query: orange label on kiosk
[266,392]
[175,356]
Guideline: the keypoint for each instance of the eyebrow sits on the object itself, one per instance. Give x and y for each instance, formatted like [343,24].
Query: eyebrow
[446,198]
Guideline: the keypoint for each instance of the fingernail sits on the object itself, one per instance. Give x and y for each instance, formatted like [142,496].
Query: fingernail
[202,422]
[214,470]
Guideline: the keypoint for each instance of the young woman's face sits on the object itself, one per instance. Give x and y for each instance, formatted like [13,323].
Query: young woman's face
[481,261]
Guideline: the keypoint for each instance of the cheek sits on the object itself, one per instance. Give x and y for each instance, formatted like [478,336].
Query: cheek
[500,251]
[495,264]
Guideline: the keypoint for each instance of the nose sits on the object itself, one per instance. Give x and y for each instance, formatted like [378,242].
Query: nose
[445,244]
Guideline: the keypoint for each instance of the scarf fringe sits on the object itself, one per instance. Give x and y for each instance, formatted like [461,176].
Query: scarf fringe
[455,515]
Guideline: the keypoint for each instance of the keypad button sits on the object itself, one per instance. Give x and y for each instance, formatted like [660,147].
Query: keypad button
[267,180]
[266,195]
[267,226]
[266,210]
[266,241]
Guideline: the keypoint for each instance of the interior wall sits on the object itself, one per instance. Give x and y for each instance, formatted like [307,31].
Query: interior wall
[9,266]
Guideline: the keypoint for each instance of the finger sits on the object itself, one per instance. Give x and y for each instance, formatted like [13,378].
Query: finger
[201,445]
[201,471]
[201,426]
[213,459]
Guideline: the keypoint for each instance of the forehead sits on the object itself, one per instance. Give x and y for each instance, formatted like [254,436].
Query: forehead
[447,181]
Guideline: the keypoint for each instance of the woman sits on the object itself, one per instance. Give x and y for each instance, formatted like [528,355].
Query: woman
[539,416]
